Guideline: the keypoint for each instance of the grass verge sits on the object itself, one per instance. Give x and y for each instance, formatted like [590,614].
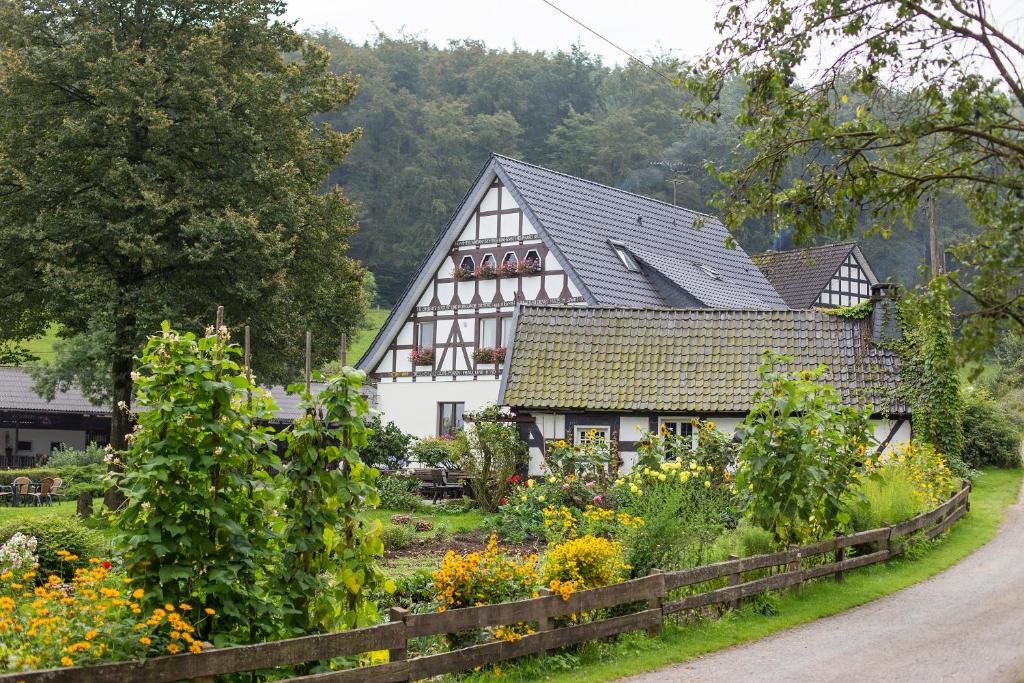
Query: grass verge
[636,653]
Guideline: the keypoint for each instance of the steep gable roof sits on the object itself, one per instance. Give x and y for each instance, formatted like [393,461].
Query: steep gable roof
[680,361]
[800,275]
[578,219]
[685,247]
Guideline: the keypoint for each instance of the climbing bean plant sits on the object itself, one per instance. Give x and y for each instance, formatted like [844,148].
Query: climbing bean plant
[194,528]
[332,561]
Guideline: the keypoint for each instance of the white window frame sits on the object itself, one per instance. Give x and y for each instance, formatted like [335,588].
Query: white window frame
[484,343]
[419,333]
[627,259]
[579,433]
[678,421]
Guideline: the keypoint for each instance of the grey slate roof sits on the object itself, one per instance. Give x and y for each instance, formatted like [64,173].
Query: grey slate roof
[578,218]
[683,361]
[581,216]
[800,275]
[16,394]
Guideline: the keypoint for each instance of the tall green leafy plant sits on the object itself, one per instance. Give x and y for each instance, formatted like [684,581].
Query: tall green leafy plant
[194,527]
[798,451]
[493,452]
[929,375]
[330,567]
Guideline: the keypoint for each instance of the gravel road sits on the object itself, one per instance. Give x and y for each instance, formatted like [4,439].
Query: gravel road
[965,624]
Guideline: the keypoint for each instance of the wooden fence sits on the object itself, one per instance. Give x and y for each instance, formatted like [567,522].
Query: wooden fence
[652,594]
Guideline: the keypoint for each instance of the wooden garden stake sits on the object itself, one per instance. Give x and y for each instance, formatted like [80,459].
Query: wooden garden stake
[544,623]
[309,360]
[794,566]
[656,601]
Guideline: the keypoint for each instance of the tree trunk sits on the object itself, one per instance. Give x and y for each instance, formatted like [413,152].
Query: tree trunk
[120,422]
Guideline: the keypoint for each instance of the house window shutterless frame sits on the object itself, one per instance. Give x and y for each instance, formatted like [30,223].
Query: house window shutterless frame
[678,426]
[425,334]
[585,434]
[506,331]
[488,333]
[449,418]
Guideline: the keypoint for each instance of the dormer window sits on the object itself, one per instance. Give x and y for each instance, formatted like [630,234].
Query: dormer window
[627,259]
[468,264]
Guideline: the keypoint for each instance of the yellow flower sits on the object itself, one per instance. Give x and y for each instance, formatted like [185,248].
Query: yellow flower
[145,640]
[210,611]
[529,483]
[138,593]
[174,648]
[185,606]
[707,484]
[89,635]
[66,661]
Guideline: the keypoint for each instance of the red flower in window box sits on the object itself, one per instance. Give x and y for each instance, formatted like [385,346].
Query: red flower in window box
[489,355]
[485,272]
[461,273]
[507,269]
[421,355]
[530,266]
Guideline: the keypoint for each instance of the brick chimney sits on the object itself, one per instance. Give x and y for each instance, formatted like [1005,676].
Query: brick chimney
[884,325]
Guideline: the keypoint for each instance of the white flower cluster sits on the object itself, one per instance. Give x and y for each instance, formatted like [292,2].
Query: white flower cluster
[17,553]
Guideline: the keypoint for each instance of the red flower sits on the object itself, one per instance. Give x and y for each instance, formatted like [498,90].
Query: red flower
[514,479]
[503,501]
[107,565]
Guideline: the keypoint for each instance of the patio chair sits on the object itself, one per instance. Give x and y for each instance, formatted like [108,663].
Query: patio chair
[23,491]
[55,491]
[43,495]
[6,494]
[443,487]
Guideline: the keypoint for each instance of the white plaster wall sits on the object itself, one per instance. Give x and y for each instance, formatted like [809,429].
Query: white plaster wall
[882,428]
[630,427]
[509,223]
[413,405]
[490,200]
[488,226]
[487,289]
[528,229]
[469,230]
[508,288]
[531,286]
[552,263]
[507,201]
[553,285]
[629,459]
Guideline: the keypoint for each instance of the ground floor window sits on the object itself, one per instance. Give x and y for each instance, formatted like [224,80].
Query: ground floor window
[449,418]
[585,435]
[678,426]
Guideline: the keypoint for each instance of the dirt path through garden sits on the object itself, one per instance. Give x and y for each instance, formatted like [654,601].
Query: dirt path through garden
[965,624]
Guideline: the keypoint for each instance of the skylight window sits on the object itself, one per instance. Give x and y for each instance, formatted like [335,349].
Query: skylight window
[710,272]
[627,259]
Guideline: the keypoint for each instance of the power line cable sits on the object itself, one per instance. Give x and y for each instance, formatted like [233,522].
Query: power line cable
[620,49]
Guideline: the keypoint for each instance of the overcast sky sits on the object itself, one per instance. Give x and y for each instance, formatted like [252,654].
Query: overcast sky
[643,27]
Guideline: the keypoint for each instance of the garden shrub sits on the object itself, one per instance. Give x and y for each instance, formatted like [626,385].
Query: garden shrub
[583,563]
[57,538]
[888,496]
[386,447]
[683,512]
[490,453]
[400,493]
[797,454]
[398,536]
[64,456]
[521,511]
[991,439]
[744,541]
[98,618]
[437,451]
[929,475]
[486,577]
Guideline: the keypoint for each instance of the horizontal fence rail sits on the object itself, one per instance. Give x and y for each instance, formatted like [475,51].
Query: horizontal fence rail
[785,570]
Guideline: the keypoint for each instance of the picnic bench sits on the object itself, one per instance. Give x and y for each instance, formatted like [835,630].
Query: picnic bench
[438,483]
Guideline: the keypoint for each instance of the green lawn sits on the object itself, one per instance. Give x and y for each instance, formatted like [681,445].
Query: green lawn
[456,522]
[635,653]
[42,347]
[375,318]
[65,509]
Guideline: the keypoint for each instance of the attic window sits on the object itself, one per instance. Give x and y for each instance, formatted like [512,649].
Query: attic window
[627,259]
[467,263]
[710,272]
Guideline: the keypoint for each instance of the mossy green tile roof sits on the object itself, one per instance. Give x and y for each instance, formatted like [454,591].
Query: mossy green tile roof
[672,360]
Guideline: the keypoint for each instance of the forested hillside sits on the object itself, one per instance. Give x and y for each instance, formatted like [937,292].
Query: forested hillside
[431,116]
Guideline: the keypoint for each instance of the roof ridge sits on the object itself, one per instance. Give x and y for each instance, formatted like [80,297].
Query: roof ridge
[656,309]
[609,187]
[770,252]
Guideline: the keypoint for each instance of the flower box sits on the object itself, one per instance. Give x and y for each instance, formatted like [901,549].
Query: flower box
[488,355]
[459,274]
[508,270]
[530,266]
[421,355]
[485,272]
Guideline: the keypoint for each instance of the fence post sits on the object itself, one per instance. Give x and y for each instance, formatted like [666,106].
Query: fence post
[734,580]
[840,556]
[886,543]
[656,602]
[544,623]
[794,566]
[399,654]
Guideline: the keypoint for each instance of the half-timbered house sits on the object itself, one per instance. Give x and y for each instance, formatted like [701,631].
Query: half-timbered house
[825,276]
[529,234]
